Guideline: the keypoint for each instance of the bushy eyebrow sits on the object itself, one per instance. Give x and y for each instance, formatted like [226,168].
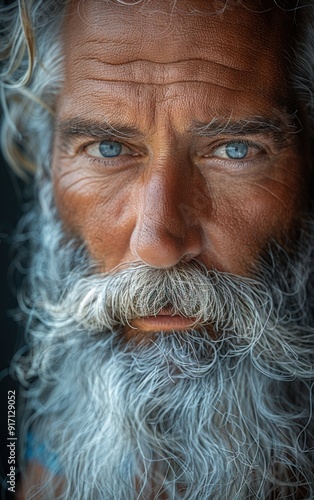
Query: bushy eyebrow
[278,129]
[89,128]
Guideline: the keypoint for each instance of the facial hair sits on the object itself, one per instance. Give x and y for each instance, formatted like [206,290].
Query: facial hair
[222,410]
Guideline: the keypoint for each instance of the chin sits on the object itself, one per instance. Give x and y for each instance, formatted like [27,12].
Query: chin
[174,416]
[221,410]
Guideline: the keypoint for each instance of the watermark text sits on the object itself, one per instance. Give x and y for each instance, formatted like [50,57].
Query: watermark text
[11,442]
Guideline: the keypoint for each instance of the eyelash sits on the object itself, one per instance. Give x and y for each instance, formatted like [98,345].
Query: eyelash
[246,142]
[213,147]
[113,160]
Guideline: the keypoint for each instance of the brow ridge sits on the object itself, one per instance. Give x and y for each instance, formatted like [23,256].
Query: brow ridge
[279,128]
[78,126]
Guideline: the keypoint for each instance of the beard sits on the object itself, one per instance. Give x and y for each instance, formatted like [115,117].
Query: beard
[222,410]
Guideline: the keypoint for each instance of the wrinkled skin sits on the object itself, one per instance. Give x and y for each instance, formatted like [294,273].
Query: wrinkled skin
[172,193]
[149,76]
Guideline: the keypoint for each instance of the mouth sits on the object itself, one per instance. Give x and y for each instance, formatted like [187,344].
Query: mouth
[164,320]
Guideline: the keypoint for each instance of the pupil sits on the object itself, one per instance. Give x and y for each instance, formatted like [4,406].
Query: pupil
[236,150]
[109,149]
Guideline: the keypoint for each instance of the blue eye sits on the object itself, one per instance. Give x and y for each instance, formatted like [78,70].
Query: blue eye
[110,149]
[236,150]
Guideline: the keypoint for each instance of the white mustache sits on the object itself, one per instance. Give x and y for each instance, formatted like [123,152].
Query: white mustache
[211,416]
[227,302]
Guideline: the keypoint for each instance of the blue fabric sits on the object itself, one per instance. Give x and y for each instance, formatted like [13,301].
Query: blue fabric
[38,451]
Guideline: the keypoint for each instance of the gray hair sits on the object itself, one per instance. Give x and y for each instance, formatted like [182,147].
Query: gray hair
[189,414]
[30,79]
[31,75]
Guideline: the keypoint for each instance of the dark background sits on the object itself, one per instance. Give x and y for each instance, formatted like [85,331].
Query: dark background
[11,336]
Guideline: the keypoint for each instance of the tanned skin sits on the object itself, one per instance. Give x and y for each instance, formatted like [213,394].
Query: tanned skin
[173,92]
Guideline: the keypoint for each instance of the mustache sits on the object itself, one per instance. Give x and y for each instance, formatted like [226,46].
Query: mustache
[107,301]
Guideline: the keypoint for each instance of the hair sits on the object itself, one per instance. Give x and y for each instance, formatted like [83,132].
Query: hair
[31,74]
[185,415]
[248,437]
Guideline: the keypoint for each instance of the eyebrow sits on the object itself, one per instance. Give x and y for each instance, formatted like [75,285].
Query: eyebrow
[278,129]
[86,127]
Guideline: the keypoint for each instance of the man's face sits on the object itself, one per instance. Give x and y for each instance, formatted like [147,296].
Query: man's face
[178,147]
[174,134]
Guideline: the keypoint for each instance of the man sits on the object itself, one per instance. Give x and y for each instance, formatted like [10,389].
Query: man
[169,296]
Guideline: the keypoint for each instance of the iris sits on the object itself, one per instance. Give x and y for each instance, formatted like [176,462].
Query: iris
[236,150]
[110,149]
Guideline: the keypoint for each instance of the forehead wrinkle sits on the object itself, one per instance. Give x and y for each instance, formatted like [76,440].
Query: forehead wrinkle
[154,84]
[182,38]
[186,70]
[188,62]
[149,72]
[141,111]
[114,53]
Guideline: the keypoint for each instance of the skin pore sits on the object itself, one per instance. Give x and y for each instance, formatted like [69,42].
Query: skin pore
[173,94]
[177,140]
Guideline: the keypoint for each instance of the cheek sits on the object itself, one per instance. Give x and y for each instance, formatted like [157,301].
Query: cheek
[250,212]
[96,211]
[237,214]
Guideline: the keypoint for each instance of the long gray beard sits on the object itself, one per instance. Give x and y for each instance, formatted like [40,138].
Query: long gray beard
[223,411]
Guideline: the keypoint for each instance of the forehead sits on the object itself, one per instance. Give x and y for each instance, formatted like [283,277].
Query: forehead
[136,27]
[238,54]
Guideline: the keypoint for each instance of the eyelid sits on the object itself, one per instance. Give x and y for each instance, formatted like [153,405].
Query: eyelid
[95,145]
[258,147]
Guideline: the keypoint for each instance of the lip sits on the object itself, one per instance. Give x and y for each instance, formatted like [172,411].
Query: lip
[162,321]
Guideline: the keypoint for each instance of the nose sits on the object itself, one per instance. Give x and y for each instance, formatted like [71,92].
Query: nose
[167,228]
